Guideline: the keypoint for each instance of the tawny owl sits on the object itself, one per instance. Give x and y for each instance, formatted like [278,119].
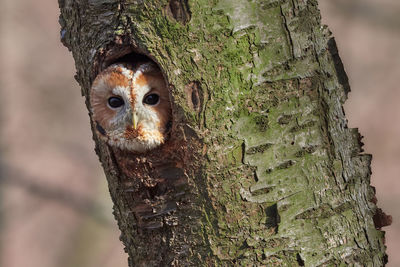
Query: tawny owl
[131,107]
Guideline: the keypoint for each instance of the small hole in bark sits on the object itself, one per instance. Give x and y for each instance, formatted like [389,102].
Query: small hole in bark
[299,259]
[179,10]
[157,190]
[273,218]
[195,99]
[194,96]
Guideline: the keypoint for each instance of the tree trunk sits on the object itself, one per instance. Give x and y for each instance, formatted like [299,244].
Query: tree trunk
[260,167]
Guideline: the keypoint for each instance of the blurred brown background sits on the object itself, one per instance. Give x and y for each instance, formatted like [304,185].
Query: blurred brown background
[55,208]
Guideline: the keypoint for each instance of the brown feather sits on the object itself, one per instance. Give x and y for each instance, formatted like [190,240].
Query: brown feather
[101,90]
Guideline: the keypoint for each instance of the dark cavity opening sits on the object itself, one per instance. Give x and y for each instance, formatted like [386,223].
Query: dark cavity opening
[122,51]
[194,95]
[300,261]
[273,218]
[131,58]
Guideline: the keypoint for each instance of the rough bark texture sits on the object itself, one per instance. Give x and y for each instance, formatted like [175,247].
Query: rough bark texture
[260,168]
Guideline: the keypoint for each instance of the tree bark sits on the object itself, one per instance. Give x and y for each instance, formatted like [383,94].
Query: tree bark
[260,167]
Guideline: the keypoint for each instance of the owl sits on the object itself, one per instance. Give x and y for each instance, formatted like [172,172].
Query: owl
[131,107]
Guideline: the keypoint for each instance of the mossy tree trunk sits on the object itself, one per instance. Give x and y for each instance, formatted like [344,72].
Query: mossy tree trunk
[260,167]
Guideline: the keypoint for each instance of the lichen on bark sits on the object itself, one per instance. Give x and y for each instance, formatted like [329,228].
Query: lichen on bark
[268,171]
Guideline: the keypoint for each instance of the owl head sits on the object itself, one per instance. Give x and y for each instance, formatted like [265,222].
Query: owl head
[131,107]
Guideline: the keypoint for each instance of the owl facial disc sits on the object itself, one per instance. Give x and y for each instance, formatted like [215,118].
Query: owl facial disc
[131,107]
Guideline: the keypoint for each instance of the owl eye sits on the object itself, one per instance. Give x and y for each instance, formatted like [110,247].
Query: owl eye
[115,102]
[151,99]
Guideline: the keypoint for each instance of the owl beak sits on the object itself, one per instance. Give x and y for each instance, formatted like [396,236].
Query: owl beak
[134,120]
